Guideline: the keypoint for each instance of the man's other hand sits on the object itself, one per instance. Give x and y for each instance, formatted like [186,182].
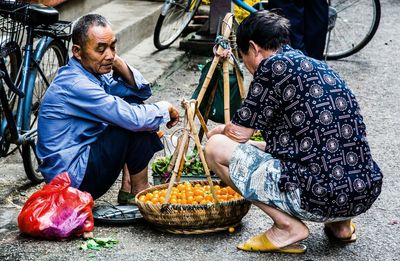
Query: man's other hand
[174,116]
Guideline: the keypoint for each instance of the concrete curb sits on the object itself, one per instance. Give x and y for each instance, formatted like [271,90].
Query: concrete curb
[133,21]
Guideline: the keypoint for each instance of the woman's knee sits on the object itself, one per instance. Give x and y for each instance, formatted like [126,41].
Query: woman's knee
[213,145]
[219,149]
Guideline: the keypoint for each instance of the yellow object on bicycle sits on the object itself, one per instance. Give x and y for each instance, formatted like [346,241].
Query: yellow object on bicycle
[240,13]
[192,5]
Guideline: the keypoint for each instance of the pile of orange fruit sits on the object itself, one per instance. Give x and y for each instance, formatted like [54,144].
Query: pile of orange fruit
[186,193]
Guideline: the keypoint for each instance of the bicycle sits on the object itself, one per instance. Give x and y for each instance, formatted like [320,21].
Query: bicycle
[348,31]
[27,72]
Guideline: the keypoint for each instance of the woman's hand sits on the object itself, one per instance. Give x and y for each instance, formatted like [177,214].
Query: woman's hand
[217,130]
[224,54]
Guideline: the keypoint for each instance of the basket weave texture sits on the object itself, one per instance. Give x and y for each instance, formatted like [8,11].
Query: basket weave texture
[192,219]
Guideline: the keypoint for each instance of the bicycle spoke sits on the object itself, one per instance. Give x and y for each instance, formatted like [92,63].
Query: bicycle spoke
[345,7]
[355,24]
[173,21]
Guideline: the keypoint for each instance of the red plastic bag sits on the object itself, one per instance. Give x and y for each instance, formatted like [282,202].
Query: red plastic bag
[57,211]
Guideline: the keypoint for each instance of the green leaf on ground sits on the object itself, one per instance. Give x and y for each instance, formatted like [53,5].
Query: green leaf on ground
[98,243]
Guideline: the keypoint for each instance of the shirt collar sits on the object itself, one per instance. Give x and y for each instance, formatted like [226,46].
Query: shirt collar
[73,62]
[284,48]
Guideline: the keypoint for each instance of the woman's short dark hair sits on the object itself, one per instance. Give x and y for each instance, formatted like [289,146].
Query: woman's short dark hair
[267,29]
[81,27]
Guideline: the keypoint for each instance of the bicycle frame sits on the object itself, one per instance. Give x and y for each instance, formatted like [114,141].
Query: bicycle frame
[242,4]
[167,5]
[20,128]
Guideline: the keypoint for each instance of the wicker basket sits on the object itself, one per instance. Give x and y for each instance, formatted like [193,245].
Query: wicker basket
[193,219]
[12,22]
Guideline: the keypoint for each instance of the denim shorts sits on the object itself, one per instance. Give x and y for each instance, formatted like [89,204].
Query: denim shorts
[256,174]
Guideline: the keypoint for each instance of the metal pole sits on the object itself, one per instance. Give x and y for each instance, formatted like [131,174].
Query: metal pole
[218,10]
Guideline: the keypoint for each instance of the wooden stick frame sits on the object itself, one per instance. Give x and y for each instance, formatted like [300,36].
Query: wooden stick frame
[177,160]
[226,29]
[192,110]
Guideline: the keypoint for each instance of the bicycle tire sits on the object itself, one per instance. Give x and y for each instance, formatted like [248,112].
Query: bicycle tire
[351,31]
[11,53]
[173,21]
[54,57]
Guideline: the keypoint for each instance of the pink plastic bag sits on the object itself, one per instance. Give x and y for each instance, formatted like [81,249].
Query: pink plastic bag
[57,211]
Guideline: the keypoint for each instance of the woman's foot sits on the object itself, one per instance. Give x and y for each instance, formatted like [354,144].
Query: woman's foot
[287,230]
[341,230]
[287,234]
[276,240]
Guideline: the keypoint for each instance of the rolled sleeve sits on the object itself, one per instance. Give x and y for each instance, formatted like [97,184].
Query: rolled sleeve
[141,82]
[163,109]
[120,88]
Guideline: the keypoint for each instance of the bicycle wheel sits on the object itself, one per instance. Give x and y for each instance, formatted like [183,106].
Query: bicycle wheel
[54,57]
[12,59]
[352,24]
[174,18]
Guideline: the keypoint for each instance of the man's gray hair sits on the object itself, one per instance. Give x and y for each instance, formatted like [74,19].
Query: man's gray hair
[81,27]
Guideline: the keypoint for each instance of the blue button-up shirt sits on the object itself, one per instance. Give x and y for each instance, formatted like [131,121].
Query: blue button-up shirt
[76,109]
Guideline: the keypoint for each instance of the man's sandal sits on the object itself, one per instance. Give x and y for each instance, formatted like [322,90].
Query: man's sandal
[125,198]
[261,243]
[350,239]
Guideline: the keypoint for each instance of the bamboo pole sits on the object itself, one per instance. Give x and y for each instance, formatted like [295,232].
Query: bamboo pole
[185,139]
[208,78]
[174,155]
[202,122]
[207,109]
[190,115]
[239,78]
[226,31]
[238,74]
[182,163]
[183,147]
[225,69]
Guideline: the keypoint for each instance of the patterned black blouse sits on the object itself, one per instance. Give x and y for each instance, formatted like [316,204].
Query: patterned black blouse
[311,122]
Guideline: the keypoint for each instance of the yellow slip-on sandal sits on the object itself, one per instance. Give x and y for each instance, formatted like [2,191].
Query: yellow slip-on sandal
[261,243]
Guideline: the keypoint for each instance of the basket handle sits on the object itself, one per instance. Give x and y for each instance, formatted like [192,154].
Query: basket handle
[190,116]
[178,156]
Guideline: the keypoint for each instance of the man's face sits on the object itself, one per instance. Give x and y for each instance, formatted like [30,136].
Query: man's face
[97,55]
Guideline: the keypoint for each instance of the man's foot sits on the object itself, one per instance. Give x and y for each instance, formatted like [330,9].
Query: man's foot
[125,198]
[343,231]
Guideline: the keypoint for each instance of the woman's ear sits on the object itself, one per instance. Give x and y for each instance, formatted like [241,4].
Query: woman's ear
[76,51]
[254,47]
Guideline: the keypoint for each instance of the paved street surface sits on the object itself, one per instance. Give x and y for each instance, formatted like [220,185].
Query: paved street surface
[373,74]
